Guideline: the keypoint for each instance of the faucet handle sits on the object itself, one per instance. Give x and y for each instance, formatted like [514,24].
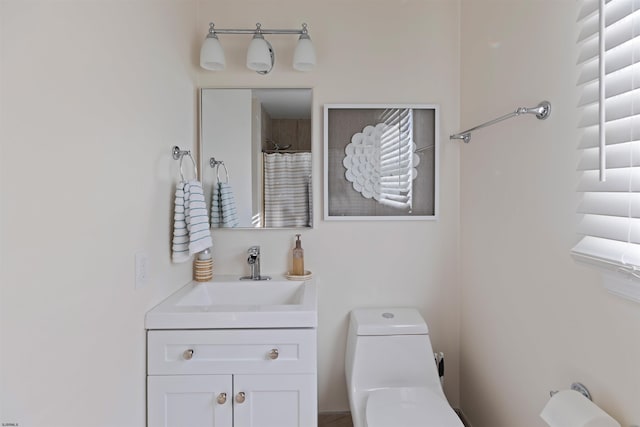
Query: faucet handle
[254,251]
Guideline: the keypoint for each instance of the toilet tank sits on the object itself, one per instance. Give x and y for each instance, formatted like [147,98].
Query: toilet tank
[389,347]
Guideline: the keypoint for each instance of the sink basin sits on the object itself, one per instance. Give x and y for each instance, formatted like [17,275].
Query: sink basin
[243,293]
[227,302]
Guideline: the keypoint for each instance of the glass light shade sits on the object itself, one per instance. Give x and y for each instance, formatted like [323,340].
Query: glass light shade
[304,57]
[259,55]
[212,55]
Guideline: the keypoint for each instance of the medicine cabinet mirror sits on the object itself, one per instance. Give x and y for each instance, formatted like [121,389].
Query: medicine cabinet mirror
[261,142]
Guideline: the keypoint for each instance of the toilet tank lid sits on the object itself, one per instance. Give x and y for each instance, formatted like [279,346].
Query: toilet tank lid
[388,321]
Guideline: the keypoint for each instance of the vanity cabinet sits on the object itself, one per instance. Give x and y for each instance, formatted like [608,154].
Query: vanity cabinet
[232,378]
[189,400]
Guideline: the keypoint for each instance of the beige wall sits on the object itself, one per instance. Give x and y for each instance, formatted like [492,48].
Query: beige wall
[94,94]
[532,319]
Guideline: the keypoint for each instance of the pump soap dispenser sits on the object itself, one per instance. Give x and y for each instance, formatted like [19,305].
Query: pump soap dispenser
[298,258]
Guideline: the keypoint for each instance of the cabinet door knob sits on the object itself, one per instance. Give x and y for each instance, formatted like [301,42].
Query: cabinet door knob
[240,397]
[273,354]
[188,354]
[222,398]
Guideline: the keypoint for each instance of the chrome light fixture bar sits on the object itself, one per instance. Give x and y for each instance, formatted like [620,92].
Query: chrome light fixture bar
[260,55]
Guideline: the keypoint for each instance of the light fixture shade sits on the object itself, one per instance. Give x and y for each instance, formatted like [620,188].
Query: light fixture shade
[304,57]
[259,55]
[212,55]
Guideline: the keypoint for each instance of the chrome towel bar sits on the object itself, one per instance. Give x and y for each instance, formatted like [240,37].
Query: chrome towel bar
[541,111]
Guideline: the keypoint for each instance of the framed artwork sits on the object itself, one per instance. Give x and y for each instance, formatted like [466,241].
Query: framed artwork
[381,161]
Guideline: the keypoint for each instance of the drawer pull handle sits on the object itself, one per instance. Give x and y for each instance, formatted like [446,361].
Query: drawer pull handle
[273,354]
[188,354]
[222,398]
[240,397]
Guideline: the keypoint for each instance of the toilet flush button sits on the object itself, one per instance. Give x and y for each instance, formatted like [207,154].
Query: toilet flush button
[388,315]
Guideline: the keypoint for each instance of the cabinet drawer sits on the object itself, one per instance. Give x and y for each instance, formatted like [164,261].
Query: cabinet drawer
[238,351]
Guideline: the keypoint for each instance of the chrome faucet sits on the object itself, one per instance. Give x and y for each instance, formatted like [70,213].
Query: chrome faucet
[254,262]
[254,265]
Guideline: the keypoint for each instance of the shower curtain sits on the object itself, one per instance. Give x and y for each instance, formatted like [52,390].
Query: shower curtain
[287,190]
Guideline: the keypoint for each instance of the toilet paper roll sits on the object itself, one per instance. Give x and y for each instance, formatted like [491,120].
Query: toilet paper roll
[568,408]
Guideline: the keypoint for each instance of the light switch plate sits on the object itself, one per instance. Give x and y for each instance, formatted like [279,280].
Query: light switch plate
[142,269]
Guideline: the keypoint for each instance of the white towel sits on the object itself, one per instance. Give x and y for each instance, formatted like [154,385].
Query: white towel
[216,218]
[197,218]
[180,247]
[223,207]
[191,222]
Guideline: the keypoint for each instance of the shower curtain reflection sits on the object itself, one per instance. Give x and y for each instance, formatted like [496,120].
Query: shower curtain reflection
[287,190]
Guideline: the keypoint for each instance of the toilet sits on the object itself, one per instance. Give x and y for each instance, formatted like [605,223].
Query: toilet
[391,375]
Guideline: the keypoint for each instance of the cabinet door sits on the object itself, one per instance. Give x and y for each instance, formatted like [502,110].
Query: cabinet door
[275,400]
[189,400]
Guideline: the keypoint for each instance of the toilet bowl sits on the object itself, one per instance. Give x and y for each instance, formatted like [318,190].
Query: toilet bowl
[392,378]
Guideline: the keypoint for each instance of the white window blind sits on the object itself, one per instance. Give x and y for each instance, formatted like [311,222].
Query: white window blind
[610,209]
[397,159]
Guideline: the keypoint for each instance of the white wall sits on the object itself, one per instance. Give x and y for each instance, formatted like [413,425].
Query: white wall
[94,94]
[532,319]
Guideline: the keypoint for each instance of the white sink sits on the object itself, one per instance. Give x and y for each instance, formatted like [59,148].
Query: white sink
[227,302]
[244,293]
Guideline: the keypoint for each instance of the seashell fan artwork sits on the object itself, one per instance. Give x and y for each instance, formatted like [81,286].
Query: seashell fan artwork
[381,162]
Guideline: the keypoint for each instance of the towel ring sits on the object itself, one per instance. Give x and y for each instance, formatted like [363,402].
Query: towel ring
[226,172]
[216,164]
[195,167]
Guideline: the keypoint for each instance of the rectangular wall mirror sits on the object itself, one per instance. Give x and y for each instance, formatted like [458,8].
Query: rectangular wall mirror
[255,155]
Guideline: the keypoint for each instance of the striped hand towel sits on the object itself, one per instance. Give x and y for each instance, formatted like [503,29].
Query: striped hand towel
[191,222]
[228,206]
[196,217]
[223,207]
[180,246]
[216,218]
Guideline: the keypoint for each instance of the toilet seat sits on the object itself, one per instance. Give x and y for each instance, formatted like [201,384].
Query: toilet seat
[409,407]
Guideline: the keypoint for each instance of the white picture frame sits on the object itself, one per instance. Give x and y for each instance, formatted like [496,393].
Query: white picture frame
[381,162]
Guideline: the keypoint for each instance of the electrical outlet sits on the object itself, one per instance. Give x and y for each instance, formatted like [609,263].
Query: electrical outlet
[142,269]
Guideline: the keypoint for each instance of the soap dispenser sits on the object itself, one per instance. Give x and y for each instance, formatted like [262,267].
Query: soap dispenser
[298,258]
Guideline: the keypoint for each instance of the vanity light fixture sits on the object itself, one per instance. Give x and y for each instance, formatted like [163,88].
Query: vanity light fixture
[211,53]
[260,55]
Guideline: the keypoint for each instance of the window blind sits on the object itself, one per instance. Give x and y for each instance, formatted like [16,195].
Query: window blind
[610,209]
[397,159]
